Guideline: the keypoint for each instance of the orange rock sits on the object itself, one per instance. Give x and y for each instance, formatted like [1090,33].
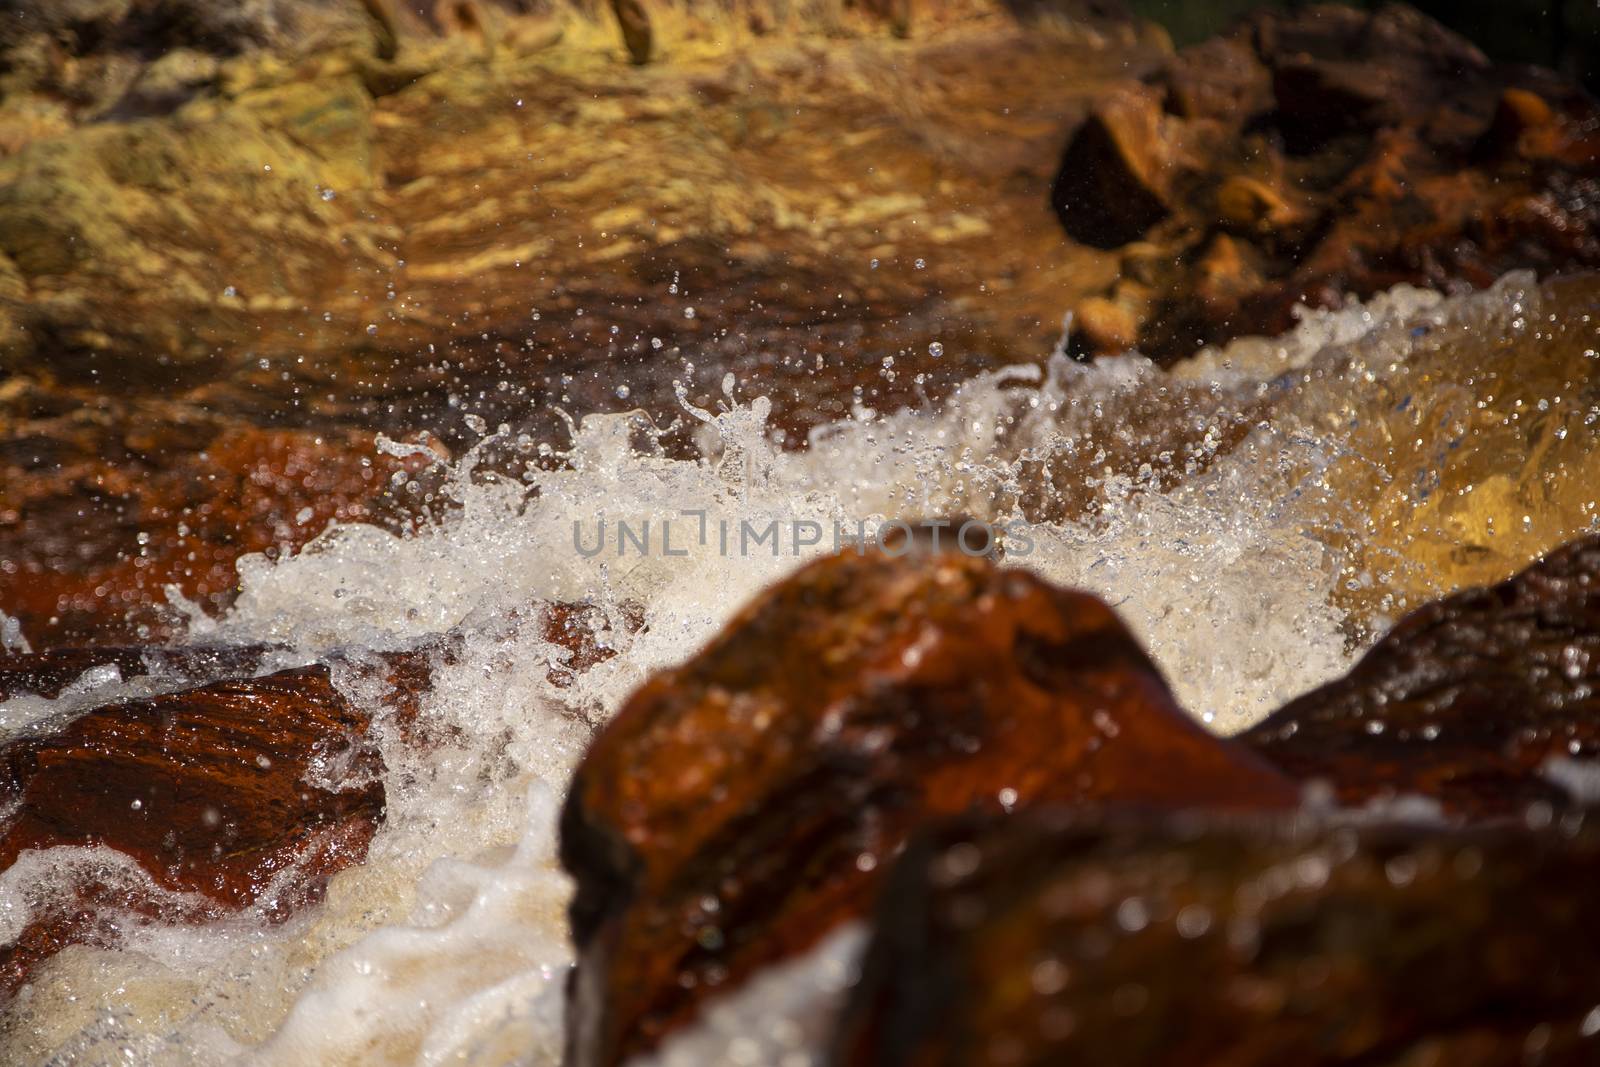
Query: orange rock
[1105,325]
[741,806]
[1252,206]
[1349,151]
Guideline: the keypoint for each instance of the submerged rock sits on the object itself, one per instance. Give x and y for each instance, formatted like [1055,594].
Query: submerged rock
[1035,940]
[1485,701]
[236,794]
[1321,152]
[740,807]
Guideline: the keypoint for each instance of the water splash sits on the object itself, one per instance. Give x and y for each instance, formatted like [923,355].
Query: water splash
[1255,516]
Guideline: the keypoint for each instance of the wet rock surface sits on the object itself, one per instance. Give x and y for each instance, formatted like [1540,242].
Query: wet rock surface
[1477,701]
[236,785]
[1037,939]
[741,806]
[47,674]
[1308,155]
[239,794]
[111,505]
[251,740]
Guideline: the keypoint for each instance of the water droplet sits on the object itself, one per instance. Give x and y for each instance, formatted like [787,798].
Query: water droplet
[936,349]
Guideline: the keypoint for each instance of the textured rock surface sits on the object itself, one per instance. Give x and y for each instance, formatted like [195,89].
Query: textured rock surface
[739,807]
[1033,941]
[47,674]
[1312,154]
[110,500]
[231,795]
[1466,702]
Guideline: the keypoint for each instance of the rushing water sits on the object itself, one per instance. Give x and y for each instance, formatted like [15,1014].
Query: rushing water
[1256,516]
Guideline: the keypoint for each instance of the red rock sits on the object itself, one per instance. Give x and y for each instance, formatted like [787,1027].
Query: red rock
[741,806]
[199,491]
[1037,940]
[1465,701]
[215,791]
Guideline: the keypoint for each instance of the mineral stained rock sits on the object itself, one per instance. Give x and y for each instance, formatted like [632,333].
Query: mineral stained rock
[1479,701]
[231,795]
[1186,942]
[1311,154]
[741,806]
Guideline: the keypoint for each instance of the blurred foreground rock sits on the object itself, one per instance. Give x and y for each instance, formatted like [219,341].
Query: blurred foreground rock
[1485,702]
[742,806]
[1308,155]
[1191,942]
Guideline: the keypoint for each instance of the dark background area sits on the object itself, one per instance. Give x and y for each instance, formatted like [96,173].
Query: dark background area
[1563,35]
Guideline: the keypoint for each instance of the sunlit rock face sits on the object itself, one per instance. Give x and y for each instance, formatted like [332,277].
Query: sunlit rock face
[740,807]
[1477,702]
[1193,942]
[1310,154]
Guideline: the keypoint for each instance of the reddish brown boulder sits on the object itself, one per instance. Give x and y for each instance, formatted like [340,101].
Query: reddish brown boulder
[741,806]
[1035,940]
[1346,152]
[216,792]
[1467,701]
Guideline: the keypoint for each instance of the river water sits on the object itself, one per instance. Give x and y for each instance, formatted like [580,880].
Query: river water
[1257,515]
